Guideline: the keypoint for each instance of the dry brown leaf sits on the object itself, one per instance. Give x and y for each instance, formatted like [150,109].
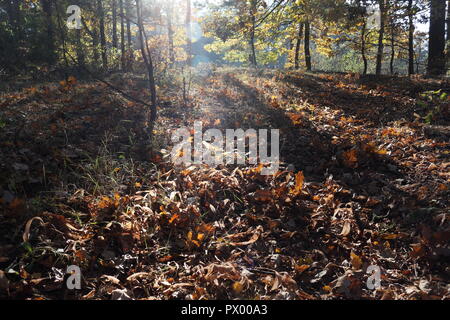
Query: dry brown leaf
[26,234]
[356,261]
[4,282]
[263,195]
[254,238]
[299,182]
[347,229]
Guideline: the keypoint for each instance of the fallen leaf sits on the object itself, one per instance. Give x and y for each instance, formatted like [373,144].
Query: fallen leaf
[346,230]
[356,261]
[26,234]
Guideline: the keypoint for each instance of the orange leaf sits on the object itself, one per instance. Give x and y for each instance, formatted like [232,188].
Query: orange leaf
[299,182]
[356,261]
[238,287]
[174,218]
[263,195]
[302,268]
[351,158]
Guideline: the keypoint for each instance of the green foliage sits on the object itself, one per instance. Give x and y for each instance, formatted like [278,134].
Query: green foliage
[434,103]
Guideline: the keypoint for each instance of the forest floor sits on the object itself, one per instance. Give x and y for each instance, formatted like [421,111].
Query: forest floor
[364,182]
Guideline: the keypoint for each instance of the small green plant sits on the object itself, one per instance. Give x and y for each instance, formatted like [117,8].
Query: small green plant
[434,102]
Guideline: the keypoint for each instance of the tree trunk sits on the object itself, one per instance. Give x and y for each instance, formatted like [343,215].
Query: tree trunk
[61,33]
[129,40]
[363,46]
[391,64]
[436,57]
[382,4]
[411,38]
[297,46]
[101,14]
[17,17]
[49,41]
[80,49]
[448,20]
[146,55]
[448,34]
[114,24]
[170,33]
[253,9]
[95,42]
[122,35]
[189,32]
[307,46]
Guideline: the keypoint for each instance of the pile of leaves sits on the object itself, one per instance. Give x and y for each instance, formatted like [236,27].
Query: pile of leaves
[360,185]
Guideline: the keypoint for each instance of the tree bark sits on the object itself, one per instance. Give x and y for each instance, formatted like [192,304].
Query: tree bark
[391,64]
[114,24]
[101,14]
[448,21]
[363,46]
[189,32]
[436,56]
[380,52]
[170,33]
[297,45]
[448,34]
[411,30]
[80,49]
[307,46]
[49,41]
[122,35]
[129,40]
[95,42]
[253,9]
[146,55]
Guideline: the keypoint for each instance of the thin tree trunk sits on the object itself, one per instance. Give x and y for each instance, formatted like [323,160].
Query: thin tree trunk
[94,36]
[146,55]
[448,21]
[417,58]
[101,14]
[130,57]
[63,38]
[307,46]
[17,17]
[297,46]
[363,46]
[189,32]
[49,41]
[80,49]
[448,34]
[411,30]
[170,33]
[114,24]
[391,64]
[122,35]
[95,42]
[253,9]
[436,57]
[382,4]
